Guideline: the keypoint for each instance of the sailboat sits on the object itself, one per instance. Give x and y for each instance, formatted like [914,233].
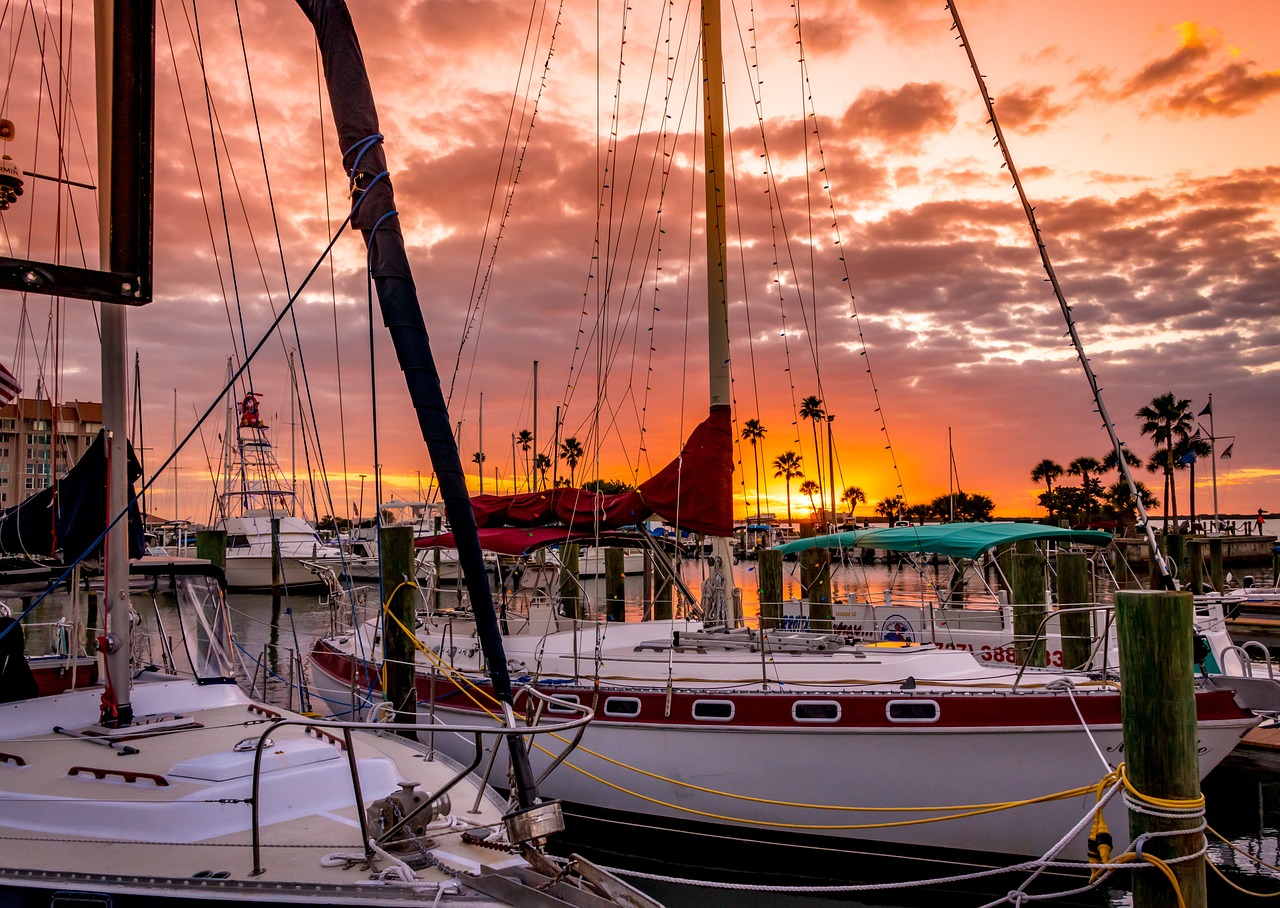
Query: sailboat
[175,789]
[813,740]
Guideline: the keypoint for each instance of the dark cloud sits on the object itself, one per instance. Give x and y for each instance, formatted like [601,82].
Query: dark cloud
[1189,81]
[1029,109]
[900,116]
[1171,69]
[1231,91]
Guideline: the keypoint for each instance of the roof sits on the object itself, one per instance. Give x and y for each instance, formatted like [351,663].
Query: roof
[959,540]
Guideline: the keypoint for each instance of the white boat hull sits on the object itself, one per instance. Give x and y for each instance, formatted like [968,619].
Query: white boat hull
[751,757]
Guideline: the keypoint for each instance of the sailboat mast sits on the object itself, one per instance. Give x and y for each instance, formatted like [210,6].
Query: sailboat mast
[116,709]
[717,255]
[717,244]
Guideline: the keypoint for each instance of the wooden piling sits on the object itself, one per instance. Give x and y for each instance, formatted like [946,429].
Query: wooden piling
[1217,567]
[90,623]
[570,587]
[1195,567]
[1176,553]
[1026,579]
[1160,747]
[398,649]
[1073,592]
[615,595]
[646,595]
[663,593]
[769,568]
[277,568]
[211,545]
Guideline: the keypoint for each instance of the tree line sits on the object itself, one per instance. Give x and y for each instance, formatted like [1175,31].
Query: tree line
[1178,443]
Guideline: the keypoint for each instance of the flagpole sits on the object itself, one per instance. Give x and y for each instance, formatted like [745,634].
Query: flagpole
[1213,463]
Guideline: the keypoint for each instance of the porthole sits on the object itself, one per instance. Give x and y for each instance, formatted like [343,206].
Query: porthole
[623,707]
[815,711]
[713,710]
[909,711]
[563,703]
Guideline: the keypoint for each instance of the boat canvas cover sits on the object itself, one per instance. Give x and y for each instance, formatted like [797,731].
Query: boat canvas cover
[693,492]
[72,514]
[958,540]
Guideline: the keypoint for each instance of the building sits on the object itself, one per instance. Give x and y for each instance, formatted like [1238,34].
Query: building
[35,447]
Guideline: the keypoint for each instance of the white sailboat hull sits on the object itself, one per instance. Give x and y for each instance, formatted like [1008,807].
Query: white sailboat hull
[747,756]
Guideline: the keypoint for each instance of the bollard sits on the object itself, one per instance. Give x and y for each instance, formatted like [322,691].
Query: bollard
[1160,747]
[211,545]
[1073,591]
[769,566]
[1026,580]
[398,649]
[615,595]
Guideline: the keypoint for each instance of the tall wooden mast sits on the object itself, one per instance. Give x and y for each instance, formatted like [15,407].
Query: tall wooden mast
[717,256]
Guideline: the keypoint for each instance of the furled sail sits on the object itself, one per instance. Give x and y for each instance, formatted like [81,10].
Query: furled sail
[356,119]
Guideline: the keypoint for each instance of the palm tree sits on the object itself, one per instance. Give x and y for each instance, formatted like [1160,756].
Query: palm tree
[787,467]
[853,496]
[811,409]
[752,431]
[571,452]
[809,487]
[1082,467]
[891,507]
[1047,471]
[1111,462]
[525,440]
[541,464]
[478,459]
[1164,419]
[1185,453]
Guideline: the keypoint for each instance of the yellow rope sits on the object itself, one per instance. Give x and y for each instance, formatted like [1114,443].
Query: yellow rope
[958,811]
[1164,868]
[1234,847]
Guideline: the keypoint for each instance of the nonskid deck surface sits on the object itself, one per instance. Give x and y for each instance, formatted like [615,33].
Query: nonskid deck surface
[172,800]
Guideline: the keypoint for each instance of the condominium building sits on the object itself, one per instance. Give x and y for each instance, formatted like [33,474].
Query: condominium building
[36,446]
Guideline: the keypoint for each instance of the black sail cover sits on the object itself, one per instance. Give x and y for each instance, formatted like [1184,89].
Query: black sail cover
[70,516]
[356,120]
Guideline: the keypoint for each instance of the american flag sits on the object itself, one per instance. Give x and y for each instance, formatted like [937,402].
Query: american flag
[9,387]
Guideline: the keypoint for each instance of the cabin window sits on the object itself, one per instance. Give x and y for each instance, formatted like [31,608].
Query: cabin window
[815,711]
[237,540]
[912,711]
[713,710]
[563,703]
[622,706]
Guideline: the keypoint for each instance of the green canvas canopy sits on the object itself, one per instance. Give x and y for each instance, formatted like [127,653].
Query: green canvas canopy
[959,540]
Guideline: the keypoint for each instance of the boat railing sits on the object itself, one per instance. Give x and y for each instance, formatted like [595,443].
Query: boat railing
[1245,653]
[339,733]
[1101,641]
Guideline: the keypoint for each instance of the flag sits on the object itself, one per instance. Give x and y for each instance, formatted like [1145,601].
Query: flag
[1208,409]
[1189,457]
[1226,452]
[9,387]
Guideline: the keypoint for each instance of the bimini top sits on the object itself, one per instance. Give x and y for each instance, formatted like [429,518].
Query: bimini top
[959,540]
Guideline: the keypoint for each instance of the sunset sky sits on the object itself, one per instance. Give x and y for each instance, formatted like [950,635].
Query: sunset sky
[879,256]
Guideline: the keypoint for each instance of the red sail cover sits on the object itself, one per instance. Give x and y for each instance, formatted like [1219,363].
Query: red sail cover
[693,492]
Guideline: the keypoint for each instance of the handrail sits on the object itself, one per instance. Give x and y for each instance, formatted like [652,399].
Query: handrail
[1041,631]
[346,727]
